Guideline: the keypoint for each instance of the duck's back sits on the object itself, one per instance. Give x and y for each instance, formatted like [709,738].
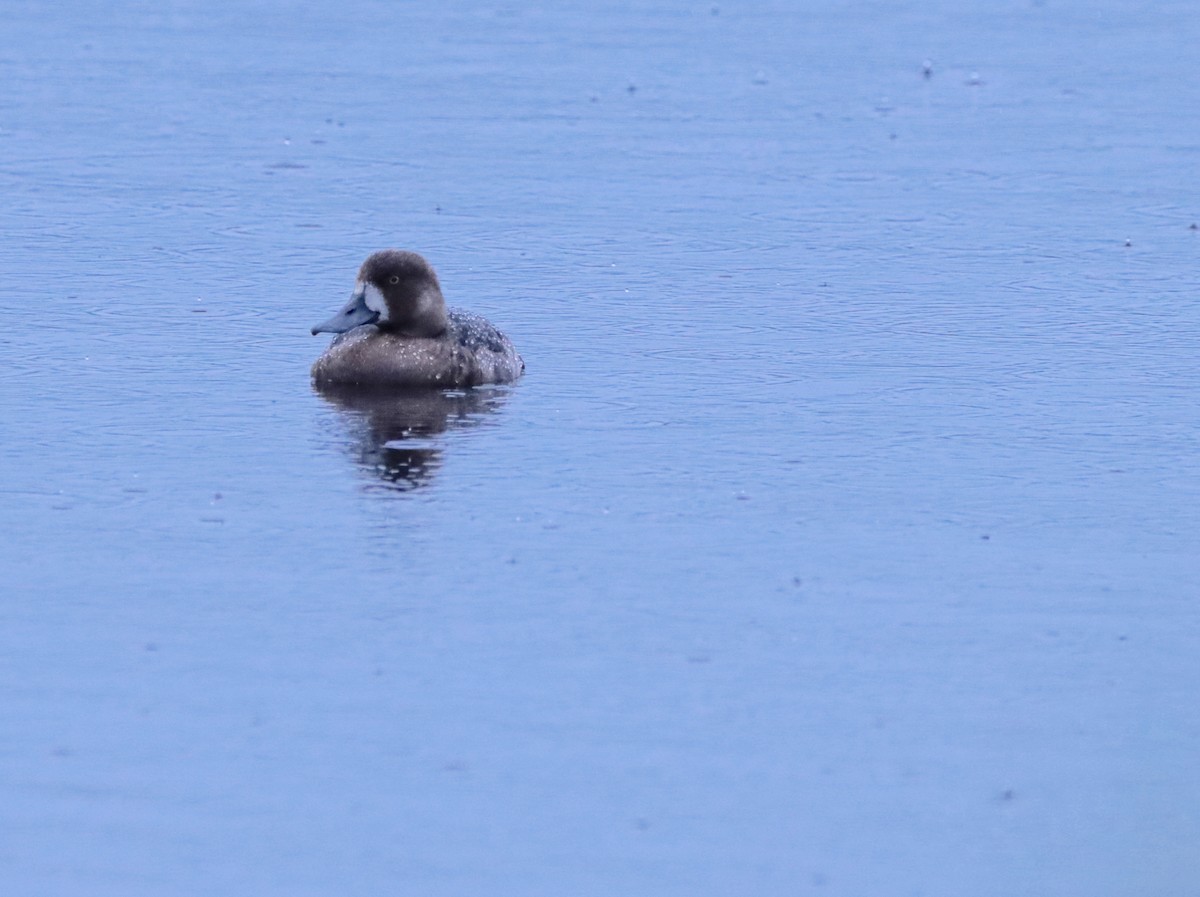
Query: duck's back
[471,352]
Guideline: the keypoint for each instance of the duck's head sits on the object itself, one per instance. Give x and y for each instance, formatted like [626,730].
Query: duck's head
[396,291]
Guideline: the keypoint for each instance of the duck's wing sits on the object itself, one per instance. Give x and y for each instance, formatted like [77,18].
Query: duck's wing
[494,357]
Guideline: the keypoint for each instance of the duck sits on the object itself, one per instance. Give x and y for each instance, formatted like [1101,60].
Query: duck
[397,333]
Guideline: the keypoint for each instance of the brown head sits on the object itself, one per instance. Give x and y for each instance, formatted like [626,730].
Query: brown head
[396,291]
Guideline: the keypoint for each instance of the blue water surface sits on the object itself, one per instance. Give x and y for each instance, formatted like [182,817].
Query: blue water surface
[841,538]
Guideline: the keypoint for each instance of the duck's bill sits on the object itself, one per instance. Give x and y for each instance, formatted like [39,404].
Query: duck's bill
[354,314]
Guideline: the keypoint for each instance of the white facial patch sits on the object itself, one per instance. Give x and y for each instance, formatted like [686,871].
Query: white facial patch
[373,298]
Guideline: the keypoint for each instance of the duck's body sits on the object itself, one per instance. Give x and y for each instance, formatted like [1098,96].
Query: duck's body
[397,333]
[470,352]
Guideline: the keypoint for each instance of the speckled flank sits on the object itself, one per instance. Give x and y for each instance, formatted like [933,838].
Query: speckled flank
[471,352]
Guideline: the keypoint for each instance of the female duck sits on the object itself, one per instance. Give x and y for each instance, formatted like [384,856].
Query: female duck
[397,332]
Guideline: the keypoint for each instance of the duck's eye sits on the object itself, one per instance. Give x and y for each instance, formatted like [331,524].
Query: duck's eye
[394,279]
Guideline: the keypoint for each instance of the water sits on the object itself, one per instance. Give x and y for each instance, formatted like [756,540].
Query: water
[840,539]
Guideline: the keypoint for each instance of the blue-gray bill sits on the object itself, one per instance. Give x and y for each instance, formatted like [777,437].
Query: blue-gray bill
[352,315]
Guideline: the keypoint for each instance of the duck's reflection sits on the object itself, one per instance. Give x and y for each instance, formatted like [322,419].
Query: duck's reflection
[393,434]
